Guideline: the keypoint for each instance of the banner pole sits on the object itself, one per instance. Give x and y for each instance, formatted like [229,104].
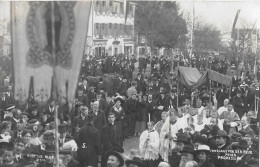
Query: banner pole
[55,83]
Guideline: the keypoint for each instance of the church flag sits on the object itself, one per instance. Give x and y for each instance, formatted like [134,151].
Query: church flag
[32,46]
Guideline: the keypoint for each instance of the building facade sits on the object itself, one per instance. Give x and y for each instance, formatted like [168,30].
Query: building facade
[111,28]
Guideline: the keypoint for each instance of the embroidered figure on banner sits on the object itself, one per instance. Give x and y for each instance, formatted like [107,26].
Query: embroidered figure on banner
[39,34]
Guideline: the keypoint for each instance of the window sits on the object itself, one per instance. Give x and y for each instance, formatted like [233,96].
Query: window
[103,6]
[121,8]
[97,29]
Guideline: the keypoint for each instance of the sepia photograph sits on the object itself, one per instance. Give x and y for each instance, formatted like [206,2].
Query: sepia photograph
[129,83]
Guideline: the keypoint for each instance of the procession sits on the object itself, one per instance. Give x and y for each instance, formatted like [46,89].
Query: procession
[99,84]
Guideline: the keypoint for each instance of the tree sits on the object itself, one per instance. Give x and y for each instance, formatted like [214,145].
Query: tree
[160,22]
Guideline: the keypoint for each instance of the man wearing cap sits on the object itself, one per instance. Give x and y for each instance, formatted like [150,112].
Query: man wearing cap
[88,143]
[238,103]
[187,154]
[230,120]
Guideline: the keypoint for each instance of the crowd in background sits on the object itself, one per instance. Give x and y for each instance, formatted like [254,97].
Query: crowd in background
[113,104]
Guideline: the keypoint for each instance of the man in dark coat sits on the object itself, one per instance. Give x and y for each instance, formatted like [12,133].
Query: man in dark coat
[100,117]
[109,136]
[238,103]
[83,98]
[162,104]
[79,121]
[222,140]
[150,105]
[123,86]
[130,108]
[88,144]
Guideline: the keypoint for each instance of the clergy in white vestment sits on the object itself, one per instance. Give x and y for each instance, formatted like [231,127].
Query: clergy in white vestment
[168,132]
[223,108]
[199,122]
[149,145]
[200,108]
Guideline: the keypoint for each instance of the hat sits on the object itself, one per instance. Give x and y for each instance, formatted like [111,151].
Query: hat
[48,137]
[117,149]
[236,135]
[90,117]
[62,128]
[133,83]
[162,92]
[92,87]
[240,144]
[187,149]
[204,148]
[120,98]
[116,154]
[181,137]
[221,133]
[136,161]
[34,127]
[10,107]
[25,113]
[200,139]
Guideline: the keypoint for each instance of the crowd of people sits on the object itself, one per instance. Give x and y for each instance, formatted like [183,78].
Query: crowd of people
[184,128]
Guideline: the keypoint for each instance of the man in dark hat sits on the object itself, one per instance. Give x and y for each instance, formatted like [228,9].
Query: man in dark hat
[162,104]
[244,158]
[63,137]
[88,143]
[181,141]
[135,162]
[222,142]
[114,157]
[187,154]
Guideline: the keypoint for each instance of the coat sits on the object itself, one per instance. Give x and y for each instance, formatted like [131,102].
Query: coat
[238,108]
[88,145]
[100,120]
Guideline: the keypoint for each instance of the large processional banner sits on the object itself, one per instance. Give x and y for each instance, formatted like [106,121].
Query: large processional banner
[32,34]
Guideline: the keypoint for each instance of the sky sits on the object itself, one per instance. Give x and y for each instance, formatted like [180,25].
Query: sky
[218,13]
[222,13]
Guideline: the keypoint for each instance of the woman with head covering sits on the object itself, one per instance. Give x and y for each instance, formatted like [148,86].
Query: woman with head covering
[119,112]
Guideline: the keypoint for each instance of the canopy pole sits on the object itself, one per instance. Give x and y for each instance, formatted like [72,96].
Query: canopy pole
[210,92]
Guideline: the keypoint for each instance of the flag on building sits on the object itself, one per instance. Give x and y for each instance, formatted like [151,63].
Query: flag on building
[32,47]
